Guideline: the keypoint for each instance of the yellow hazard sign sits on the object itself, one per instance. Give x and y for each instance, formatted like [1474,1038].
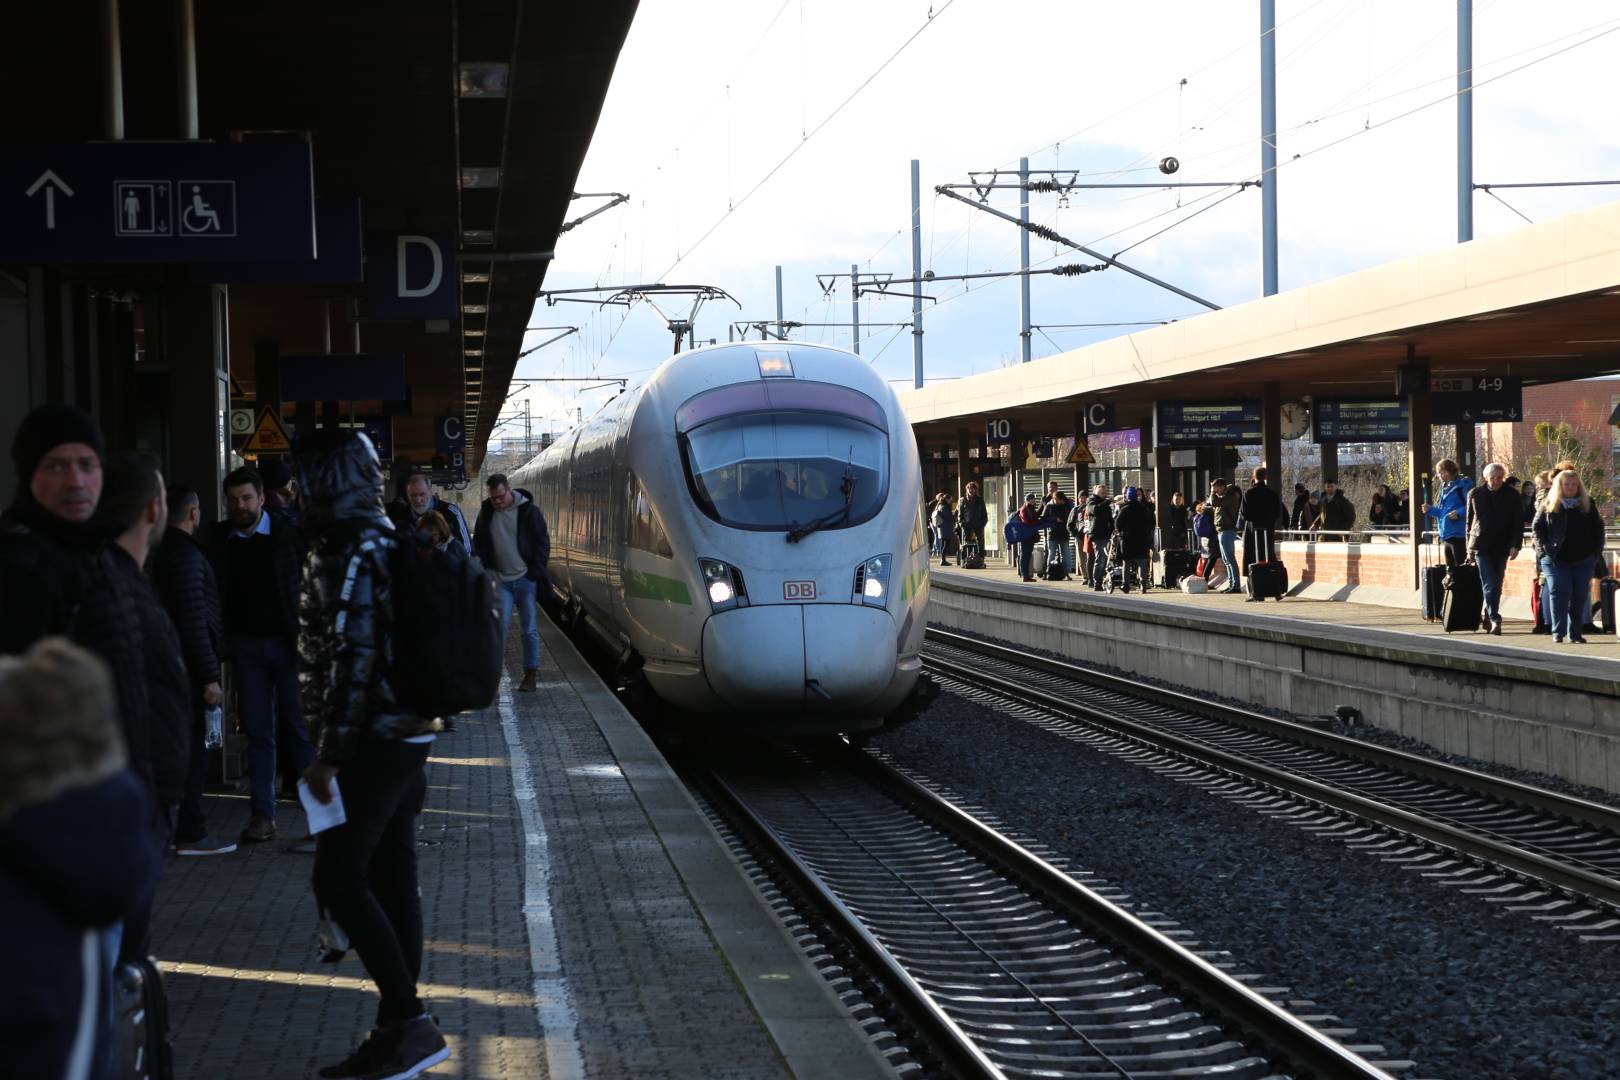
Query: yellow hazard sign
[269,435]
[1081,454]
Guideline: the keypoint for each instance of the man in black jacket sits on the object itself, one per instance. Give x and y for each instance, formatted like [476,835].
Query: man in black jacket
[133,509]
[365,869]
[420,500]
[257,556]
[56,575]
[1338,514]
[1262,508]
[513,544]
[186,585]
[1098,527]
[972,516]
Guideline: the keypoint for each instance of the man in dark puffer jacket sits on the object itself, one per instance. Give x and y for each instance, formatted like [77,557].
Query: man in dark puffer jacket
[186,585]
[56,574]
[365,869]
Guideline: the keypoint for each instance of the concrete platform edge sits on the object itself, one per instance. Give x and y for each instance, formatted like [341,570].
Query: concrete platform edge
[798,1008]
[1521,666]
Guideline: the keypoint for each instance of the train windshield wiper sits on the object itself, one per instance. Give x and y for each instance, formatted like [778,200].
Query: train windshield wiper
[847,487]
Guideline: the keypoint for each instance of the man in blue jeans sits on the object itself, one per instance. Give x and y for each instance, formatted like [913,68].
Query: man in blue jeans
[512,542]
[258,559]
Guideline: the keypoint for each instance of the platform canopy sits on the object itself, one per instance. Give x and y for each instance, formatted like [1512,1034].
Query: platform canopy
[1541,303]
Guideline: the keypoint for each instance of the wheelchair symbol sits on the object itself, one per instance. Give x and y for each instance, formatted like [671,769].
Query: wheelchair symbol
[207,208]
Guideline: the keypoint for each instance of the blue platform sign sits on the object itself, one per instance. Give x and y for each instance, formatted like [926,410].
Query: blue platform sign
[337,260]
[344,377]
[411,276]
[156,202]
[1359,420]
[450,445]
[1476,399]
[1100,417]
[1218,423]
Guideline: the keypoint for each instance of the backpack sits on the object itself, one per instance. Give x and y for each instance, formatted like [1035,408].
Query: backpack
[447,630]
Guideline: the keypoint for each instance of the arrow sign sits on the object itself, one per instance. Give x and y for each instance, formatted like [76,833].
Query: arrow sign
[51,183]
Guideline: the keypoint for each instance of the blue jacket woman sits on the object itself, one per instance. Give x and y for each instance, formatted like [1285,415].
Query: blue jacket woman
[1449,516]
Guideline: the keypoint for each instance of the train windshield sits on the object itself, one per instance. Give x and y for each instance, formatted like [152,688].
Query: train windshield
[778,470]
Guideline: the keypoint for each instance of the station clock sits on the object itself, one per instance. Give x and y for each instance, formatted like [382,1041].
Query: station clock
[1296,419]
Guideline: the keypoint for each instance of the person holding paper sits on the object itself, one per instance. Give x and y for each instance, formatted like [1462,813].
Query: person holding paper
[369,753]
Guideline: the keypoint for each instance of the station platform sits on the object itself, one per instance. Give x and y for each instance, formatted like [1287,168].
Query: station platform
[582,919]
[1517,700]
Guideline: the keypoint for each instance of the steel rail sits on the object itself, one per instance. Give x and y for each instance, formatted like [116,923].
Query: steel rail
[1471,843]
[1291,1045]
[954,1046]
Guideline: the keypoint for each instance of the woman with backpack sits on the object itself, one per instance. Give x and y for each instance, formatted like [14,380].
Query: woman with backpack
[1023,526]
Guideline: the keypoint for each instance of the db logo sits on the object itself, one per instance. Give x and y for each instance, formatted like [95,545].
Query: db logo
[798,590]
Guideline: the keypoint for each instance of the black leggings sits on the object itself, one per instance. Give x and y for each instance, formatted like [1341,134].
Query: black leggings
[365,870]
[1455,551]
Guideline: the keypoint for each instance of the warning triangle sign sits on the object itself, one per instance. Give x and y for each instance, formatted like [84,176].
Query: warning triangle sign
[1081,454]
[269,436]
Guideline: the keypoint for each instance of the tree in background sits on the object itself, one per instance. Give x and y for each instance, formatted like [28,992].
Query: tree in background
[1589,450]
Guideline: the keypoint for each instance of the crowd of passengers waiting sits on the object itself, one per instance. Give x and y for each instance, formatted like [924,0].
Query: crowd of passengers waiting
[1484,525]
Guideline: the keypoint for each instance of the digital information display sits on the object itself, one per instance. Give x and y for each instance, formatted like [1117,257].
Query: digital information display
[1220,423]
[1359,420]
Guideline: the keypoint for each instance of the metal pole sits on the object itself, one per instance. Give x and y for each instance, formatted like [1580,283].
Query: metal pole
[779,332]
[186,37]
[112,70]
[1465,121]
[854,310]
[916,272]
[1268,146]
[1023,259]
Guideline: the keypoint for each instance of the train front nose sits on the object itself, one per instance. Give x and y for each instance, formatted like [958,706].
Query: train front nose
[815,658]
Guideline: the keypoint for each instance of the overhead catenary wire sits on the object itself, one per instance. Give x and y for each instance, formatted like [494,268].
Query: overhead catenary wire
[933,16]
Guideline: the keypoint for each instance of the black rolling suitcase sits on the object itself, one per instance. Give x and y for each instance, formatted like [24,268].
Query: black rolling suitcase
[1604,610]
[1267,577]
[972,556]
[1464,601]
[1177,565]
[140,1037]
[1434,591]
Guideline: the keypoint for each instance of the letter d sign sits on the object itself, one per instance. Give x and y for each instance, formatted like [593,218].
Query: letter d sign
[434,280]
[411,276]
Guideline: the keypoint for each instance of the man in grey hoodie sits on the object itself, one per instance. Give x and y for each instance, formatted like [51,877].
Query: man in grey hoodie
[512,542]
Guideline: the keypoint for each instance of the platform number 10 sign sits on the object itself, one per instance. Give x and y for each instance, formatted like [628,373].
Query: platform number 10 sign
[997,432]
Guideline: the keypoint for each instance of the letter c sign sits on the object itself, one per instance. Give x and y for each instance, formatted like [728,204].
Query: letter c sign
[1099,416]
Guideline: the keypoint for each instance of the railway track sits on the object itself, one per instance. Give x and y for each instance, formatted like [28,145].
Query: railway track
[1565,844]
[1005,964]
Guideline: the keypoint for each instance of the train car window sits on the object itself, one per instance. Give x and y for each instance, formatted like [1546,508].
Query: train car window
[774,470]
[646,531]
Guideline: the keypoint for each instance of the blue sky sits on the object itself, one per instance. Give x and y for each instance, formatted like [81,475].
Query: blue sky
[743,133]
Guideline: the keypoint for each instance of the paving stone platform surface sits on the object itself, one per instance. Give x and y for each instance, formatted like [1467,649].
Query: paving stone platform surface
[600,930]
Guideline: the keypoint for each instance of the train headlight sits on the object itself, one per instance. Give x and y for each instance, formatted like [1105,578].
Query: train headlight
[873,581]
[723,584]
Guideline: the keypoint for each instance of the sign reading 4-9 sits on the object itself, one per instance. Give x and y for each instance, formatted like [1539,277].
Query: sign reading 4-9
[998,432]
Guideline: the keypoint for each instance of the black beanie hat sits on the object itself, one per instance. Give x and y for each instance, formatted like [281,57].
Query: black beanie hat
[46,428]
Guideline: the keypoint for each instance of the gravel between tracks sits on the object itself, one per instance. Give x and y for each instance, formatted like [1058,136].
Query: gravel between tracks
[1464,988]
[1365,732]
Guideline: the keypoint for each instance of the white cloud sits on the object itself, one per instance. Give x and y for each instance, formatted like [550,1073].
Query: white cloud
[710,96]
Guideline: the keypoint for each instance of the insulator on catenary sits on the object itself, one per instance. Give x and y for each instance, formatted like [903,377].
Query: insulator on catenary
[1071,269]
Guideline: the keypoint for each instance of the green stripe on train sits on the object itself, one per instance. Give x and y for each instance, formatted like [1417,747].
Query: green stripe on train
[639,585]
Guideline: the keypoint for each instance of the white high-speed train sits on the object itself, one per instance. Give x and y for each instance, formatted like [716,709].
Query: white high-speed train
[746,527]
